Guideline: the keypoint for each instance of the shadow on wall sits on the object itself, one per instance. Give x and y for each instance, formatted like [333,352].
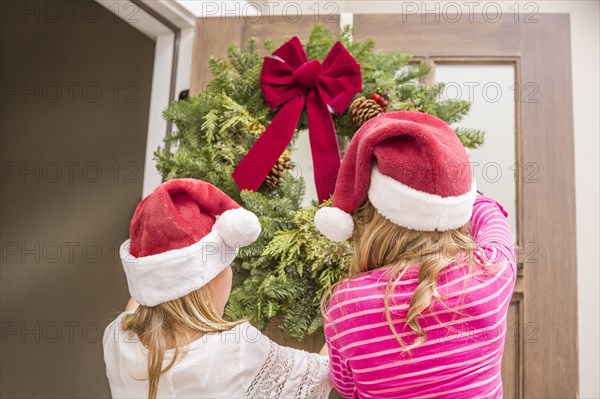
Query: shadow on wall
[76,86]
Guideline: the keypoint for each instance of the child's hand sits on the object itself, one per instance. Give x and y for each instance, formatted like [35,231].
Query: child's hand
[324,351]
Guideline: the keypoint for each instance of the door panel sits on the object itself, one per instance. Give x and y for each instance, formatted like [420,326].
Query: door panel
[214,35]
[512,360]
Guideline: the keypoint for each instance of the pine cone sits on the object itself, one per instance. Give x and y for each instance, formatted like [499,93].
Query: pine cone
[284,163]
[362,109]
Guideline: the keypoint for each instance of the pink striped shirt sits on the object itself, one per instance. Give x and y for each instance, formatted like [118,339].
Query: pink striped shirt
[465,329]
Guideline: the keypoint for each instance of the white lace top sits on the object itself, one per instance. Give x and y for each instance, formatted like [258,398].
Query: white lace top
[239,363]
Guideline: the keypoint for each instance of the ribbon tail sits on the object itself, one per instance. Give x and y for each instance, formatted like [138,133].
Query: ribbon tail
[323,144]
[264,154]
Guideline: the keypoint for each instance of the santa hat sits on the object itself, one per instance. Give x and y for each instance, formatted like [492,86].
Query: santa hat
[181,236]
[414,170]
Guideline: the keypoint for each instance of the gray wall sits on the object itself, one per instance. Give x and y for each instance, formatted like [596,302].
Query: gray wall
[72,167]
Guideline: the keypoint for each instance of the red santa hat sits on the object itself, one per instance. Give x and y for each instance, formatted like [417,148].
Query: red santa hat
[414,170]
[181,236]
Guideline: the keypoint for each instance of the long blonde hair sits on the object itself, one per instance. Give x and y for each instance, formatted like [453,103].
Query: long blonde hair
[161,326]
[380,243]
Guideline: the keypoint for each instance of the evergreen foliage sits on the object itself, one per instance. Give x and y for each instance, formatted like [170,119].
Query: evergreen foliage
[288,269]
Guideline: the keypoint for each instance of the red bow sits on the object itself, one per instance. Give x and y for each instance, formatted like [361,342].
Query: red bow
[289,80]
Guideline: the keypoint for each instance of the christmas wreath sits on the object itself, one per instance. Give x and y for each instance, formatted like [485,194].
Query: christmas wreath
[286,272]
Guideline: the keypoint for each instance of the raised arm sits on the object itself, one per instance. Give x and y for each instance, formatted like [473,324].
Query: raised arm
[491,231]
[339,370]
[340,373]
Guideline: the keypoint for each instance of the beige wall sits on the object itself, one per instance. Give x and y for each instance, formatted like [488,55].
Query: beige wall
[54,302]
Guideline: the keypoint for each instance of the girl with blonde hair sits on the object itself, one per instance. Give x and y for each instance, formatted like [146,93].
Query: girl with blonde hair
[423,312]
[172,340]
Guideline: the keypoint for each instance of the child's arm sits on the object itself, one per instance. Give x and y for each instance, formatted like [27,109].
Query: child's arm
[340,374]
[491,231]
[324,351]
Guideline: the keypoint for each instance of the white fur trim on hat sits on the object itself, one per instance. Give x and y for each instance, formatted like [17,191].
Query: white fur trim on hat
[170,275]
[238,227]
[334,224]
[418,210]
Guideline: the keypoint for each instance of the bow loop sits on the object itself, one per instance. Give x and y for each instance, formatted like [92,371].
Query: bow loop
[292,53]
[290,81]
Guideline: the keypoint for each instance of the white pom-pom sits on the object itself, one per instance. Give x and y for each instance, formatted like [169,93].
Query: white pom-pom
[238,227]
[334,224]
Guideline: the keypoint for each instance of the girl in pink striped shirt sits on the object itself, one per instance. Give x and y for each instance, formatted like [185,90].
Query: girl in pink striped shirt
[423,313]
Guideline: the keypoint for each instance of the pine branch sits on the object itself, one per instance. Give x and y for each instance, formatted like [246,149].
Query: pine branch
[470,138]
